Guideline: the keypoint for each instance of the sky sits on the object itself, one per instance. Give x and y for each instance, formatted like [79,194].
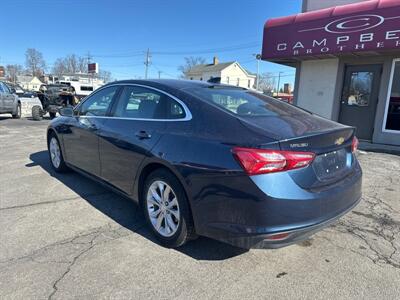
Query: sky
[117,33]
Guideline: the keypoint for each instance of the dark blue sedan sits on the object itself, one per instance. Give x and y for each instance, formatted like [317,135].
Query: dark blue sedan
[212,160]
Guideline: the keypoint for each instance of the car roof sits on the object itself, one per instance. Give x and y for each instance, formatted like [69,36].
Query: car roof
[178,84]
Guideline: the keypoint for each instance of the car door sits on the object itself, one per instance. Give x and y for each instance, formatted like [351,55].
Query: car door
[8,99]
[2,108]
[81,142]
[138,120]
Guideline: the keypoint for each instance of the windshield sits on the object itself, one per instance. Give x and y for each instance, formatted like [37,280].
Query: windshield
[245,102]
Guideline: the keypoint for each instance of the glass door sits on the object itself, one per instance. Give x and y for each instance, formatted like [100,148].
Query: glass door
[359,98]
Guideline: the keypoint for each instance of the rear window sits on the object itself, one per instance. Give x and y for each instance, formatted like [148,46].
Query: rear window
[244,102]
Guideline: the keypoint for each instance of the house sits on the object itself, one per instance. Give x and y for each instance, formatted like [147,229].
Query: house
[28,82]
[228,73]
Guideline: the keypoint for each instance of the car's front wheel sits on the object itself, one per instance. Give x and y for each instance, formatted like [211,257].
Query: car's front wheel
[37,113]
[55,154]
[166,209]
[18,112]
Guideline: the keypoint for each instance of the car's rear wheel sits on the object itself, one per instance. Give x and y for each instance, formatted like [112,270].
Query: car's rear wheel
[18,112]
[166,209]
[55,154]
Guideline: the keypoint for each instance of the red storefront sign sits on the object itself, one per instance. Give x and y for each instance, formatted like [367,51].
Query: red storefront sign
[366,26]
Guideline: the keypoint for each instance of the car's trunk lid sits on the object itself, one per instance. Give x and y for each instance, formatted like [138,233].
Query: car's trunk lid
[330,141]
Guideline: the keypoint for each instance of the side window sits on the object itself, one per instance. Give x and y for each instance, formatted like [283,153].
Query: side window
[98,104]
[142,103]
[6,89]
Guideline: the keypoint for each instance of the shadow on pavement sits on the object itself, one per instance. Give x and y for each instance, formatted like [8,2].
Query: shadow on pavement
[126,213]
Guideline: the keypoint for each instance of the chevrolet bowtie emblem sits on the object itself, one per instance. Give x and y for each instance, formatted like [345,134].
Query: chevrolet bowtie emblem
[339,141]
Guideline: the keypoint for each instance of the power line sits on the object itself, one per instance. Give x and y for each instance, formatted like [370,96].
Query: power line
[165,73]
[134,53]
[211,50]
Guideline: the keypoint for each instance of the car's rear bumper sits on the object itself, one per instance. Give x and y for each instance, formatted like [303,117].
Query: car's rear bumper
[266,241]
[278,205]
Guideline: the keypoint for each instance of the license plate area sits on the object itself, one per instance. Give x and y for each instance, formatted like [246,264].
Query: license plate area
[330,165]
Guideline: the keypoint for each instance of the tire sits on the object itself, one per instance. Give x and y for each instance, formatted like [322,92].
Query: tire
[184,228]
[58,164]
[18,113]
[37,113]
[52,115]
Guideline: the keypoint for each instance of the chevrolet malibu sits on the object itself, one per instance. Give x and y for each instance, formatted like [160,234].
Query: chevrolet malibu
[211,160]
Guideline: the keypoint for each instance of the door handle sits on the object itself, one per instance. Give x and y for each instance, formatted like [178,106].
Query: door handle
[143,135]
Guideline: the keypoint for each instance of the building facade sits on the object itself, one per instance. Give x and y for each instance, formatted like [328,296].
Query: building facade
[29,82]
[227,73]
[347,61]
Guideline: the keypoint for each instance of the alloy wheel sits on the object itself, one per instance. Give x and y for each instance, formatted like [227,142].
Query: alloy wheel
[163,208]
[55,152]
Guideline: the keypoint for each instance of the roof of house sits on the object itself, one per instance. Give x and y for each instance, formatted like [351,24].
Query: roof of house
[214,68]
[24,78]
[28,79]
[210,67]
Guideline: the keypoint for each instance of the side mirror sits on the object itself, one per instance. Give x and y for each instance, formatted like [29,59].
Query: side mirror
[66,112]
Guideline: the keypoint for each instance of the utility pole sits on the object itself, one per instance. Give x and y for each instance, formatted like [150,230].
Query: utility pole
[258,57]
[147,63]
[89,57]
[279,81]
[159,74]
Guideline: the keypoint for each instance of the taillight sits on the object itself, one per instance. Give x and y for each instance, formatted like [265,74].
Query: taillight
[354,144]
[260,161]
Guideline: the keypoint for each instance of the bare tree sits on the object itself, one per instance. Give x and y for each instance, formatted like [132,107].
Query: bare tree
[267,82]
[70,64]
[190,62]
[73,64]
[13,71]
[105,75]
[59,67]
[34,62]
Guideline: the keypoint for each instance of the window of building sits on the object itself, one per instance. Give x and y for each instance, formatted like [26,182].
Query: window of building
[143,103]
[98,103]
[227,80]
[191,78]
[86,88]
[393,105]
[238,82]
[359,91]
[248,83]
[201,78]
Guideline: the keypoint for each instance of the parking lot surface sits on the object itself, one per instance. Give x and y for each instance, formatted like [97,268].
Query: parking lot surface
[63,236]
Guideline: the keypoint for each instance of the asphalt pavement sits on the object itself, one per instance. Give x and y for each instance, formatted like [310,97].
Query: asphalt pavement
[64,236]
